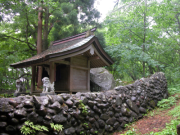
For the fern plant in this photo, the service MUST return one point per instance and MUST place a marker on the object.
(173, 90)
(84, 108)
(30, 129)
(56, 127)
(166, 103)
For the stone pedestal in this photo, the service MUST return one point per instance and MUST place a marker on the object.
(21, 93)
(47, 93)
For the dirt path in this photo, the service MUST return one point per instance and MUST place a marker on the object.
(154, 121)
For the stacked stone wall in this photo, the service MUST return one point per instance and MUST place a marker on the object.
(106, 112)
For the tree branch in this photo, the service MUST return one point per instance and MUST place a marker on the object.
(22, 41)
(178, 20)
(50, 28)
(133, 32)
(21, 76)
(172, 37)
(24, 75)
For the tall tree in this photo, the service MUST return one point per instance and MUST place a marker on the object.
(39, 42)
(130, 32)
(167, 19)
(144, 38)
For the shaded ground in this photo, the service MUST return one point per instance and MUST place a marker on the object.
(154, 121)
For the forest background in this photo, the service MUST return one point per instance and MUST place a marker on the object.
(142, 36)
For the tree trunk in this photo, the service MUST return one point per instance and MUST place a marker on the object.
(27, 84)
(150, 69)
(39, 45)
(133, 76)
(45, 34)
(144, 39)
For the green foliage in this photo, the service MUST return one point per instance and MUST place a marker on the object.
(82, 133)
(30, 129)
(56, 127)
(151, 113)
(131, 40)
(130, 132)
(167, 103)
(27, 130)
(5, 95)
(175, 112)
(96, 132)
(86, 125)
(127, 125)
(84, 108)
(174, 89)
(138, 34)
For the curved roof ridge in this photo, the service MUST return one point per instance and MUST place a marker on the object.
(75, 36)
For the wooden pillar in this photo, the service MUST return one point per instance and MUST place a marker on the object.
(88, 76)
(33, 79)
(70, 76)
(52, 72)
(39, 83)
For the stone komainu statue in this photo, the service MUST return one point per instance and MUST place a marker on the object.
(47, 86)
(20, 87)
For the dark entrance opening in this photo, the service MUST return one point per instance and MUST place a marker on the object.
(62, 78)
(94, 87)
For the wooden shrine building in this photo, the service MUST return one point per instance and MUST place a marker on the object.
(67, 62)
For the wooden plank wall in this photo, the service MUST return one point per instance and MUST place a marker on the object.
(79, 81)
(79, 78)
(80, 61)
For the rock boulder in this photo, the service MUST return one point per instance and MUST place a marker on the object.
(102, 78)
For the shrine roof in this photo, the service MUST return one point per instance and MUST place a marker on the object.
(64, 47)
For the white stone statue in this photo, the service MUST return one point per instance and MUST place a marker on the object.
(20, 87)
(47, 86)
